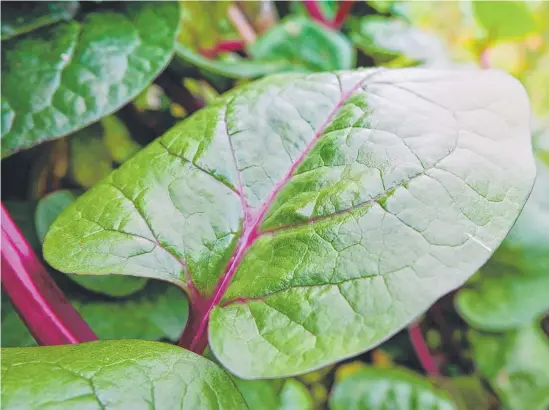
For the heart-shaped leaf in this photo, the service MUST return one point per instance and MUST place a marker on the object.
(397, 389)
(114, 375)
(516, 364)
(310, 217)
(62, 77)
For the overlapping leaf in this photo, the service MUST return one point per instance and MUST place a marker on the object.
(63, 77)
(114, 375)
(310, 217)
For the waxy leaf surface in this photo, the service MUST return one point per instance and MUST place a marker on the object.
(397, 389)
(62, 77)
(114, 375)
(310, 217)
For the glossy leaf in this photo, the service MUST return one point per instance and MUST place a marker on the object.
(63, 77)
(310, 217)
(517, 365)
(114, 375)
(504, 19)
(22, 17)
(306, 44)
(158, 312)
(47, 210)
(512, 290)
(397, 389)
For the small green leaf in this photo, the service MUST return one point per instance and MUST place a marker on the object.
(276, 394)
(305, 44)
(157, 312)
(21, 17)
(516, 364)
(117, 139)
(386, 38)
(63, 77)
(263, 207)
(47, 211)
(374, 388)
(504, 19)
(512, 290)
(114, 375)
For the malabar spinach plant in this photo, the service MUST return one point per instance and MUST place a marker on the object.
(259, 191)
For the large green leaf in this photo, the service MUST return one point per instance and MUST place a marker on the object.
(158, 312)
(114, 375)
(517, 365)
(21, 17)
(373, 388)
(306, 44)
(512, 290)
(60, 78)
(310, 217)
(47, 210)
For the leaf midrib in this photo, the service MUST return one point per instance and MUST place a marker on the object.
(251, 223)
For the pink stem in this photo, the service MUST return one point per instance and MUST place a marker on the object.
(48, 314)
(342, 13)
(223, 46)
(422, 351)
(315, 12)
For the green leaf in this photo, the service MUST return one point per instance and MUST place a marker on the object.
(504, 19)
(22, 17)
(468, 392)
(263, 207)
(114, 375)
(516, 364)
(306, 44)
(397, 389)
(277, 394)
(386, 38)
(47, 210)
(157, 312)
(512, 290)
(117, 139)
(232, 66)
(66, 76)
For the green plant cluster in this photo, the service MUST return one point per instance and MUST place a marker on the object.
(292, 186)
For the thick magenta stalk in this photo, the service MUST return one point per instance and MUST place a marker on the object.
(48, 314)
(314, 11)
(422, 351)
(342, 13)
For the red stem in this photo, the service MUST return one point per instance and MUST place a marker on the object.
(223, 46)
(315, 12)
(422, 351)
(48, 314)
(342, 13)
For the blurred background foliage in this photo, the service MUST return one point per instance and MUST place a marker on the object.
(489, 339)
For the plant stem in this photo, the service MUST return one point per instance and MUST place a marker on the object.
(241, 24)
(315, 12)
(422, 351)
(342, 13)
(223, 46)
(48, 314)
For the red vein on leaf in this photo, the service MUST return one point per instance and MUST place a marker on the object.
(48, 314)
(194, 336)
(422, 351)
(223, 46)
